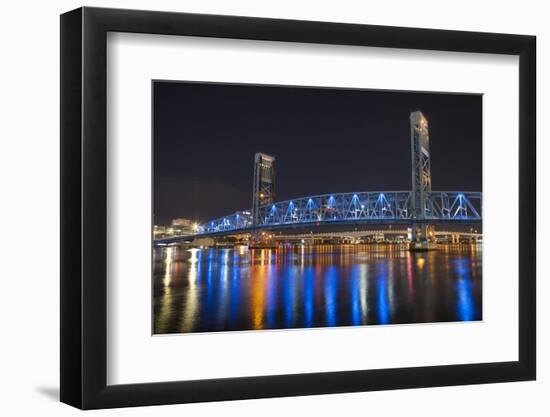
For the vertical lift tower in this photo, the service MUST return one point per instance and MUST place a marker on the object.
(421, 180)
(263, 190)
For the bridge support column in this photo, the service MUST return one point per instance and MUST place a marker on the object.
(262, 194)
(421, 180)
(423, 238)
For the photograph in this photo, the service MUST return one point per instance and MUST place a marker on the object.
(291, 207)
(262, 204)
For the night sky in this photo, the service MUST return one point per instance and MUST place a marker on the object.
(324, 141)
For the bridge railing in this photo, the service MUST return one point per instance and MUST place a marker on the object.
(360, 206)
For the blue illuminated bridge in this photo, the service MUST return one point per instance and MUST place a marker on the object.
(388, 207)
(418, 207)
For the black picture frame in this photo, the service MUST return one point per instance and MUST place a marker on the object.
(84, 207)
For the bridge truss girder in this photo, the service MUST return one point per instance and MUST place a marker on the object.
(351, 208)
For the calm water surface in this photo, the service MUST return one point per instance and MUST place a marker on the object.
(206, 290)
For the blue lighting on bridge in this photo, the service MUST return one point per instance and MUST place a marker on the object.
(368, 207)
(371, 207)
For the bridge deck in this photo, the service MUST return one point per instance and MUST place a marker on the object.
(346, 209)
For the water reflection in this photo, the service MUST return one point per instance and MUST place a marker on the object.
(383, 300)
(202, 290)
(465, 303)
(331, 287)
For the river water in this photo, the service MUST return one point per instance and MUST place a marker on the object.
(213, 290)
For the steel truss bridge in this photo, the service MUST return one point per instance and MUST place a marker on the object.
(388, 207)
(418, 207)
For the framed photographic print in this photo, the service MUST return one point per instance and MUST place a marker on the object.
(257, 208)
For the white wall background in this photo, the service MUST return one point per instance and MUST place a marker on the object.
(29, 177)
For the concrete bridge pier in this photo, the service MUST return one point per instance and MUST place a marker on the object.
(262, 239)
(420, 238)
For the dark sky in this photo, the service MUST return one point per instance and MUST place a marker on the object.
(324, 141)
